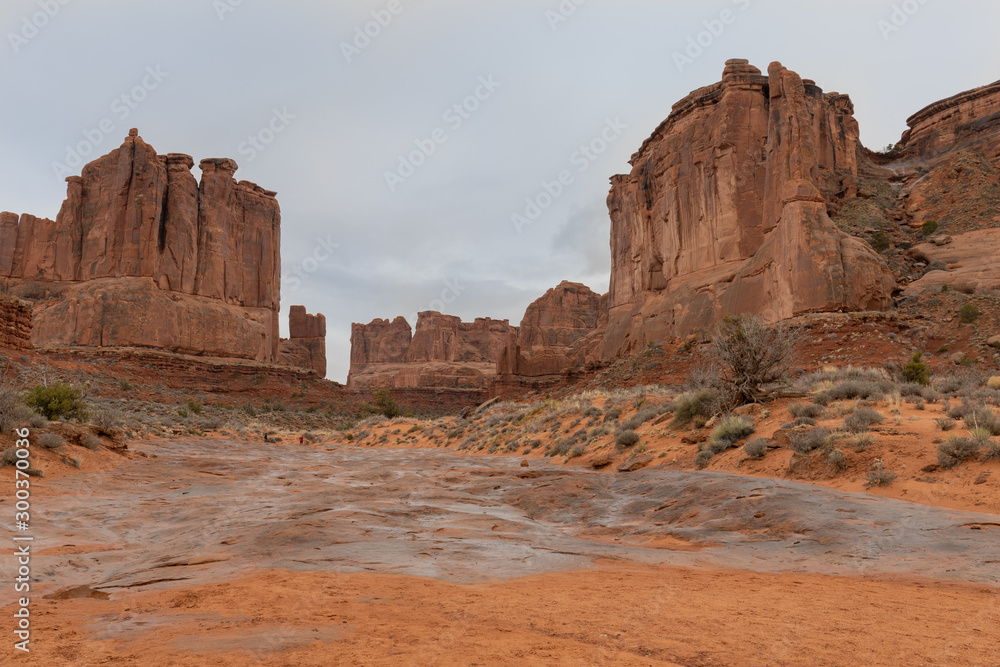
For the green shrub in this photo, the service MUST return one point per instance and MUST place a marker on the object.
(929, 227)
(880, 241)
(194, 407)
(385, 404)
(917, 371)
(969, 313)
(58, 401)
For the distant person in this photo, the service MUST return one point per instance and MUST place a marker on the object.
(302, 440)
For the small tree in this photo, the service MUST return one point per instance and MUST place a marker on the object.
(917, 371)
(386, 404)
(753, 355)
(57, 401)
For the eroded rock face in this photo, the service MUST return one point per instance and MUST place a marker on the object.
(135, 214)
(969, 121)
(306, 347)
(443, 352)
(553, 331)
(725, 212)
(15, 323)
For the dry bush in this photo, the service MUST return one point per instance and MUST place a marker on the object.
(756, 449)
(752, 355)
(862, 420)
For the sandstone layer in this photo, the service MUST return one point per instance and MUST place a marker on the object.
(442, 352)
(198, 255)
(15, 323)
(725, 212)
(553, 333)
(306, 346)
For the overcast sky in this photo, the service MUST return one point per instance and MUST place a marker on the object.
(533, 86)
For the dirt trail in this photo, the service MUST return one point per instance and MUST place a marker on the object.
(159, 535)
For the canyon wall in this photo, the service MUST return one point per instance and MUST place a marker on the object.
(15, 323)
(141, 254)
(442, 352)
(725, 212)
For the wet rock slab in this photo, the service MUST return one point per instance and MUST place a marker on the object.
(204, 511)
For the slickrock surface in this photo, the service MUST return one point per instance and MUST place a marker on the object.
(442, 352)
(253, 554)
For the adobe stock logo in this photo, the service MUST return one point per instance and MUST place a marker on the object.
(32, 25)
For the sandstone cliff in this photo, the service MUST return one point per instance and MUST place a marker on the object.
(554, 332)
(143, 255)
(306, 346)
(725, 211)
(15, 323)
(443, 352)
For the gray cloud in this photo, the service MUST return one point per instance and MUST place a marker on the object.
(353, 120)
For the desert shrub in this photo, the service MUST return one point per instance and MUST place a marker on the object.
(929, 227)
(969, 313)
(993, 382)
(991, 452)
(852, 389)
(9, 456)
(704, 457)
(51, 441)
(592, 412)
(91, 442)
(862, 419)
(879, 476)
(562, 447)
(612, 414)
(640, 418)
(863, 441)
(756, 448)
(730, 430)
(194, 407)
(753, 355)
(945, 423)
(956, 450)
(386, 405)
(693, 404)
(983, 418)
(808, 410)
(838, 460)
(803, 443)
(916, 371)
(12, 411)
(577, 451)
(37, 421)
(626, 438)
(107, 422)
(57, 401)
(880, 241)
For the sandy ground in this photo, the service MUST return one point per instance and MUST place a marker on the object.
(615, 614)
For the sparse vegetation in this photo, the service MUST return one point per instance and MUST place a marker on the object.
(879, 476)
(756, 448)
(969, 313)
(91, 442)
(810, 441)
(862, 419)
(945, 423)
(51, 441)
(956, 450)
(807, 410)
(626, 438)
(694, 404)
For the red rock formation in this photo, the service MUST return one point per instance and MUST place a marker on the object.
(15, 323)
(306, 347)
(135, 214)
(969, 121)
(443, 352)
(725, 212)
(552, 332)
